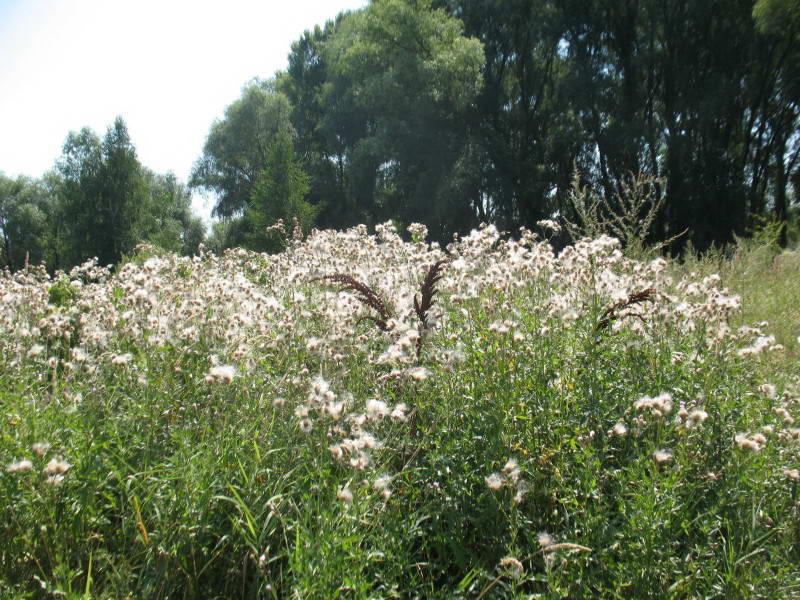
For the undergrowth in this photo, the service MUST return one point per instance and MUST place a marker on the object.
(575, 426)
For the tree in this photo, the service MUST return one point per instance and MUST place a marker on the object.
(380, 98)
(402, 79)
(104, 194)
(779, 22)
(237, 147)
(25, 210)
(636, 86)
(279, 194)
(321, 153)
(170, 223)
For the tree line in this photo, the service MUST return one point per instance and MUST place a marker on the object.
(98, 201)
(456, 112)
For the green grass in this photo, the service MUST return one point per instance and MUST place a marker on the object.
(769, 285)
(184, 488)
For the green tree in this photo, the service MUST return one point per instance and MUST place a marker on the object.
(400, 79)
(237, 147)
(104, 197)
(279, 194)
(25, 215)
(170, 223)
(321, 152)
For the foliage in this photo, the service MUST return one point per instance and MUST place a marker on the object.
(237, 148)
(279, 195)
(380, 100)
(229, 426)
(24, 221)
(104, 192)
(171, 225)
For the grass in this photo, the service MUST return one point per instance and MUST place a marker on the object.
(513, 448)
(767, 281)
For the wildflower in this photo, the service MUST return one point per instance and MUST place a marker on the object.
(360, 461)
(522, 489)
(619, 430)
(35, 350)
(377, 409)
(382, 482)
(335, 410)
(768, 389)
(54, 480)
(345, 495)
(784, 414)
(17, 467)
(662, 456)
(121, 359)
(745, 443)
(494, 482)
(278, 401)
(418, 373)
(56, 466)
(697, 416)
(399, 413)
(511, 469)
(306, 425)
(513, 565)
(553, 226)
(222, 374)
(544, 539)
(383, 485)
(792, 474)
(40, 448)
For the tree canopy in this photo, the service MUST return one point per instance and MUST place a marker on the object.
(457, 112)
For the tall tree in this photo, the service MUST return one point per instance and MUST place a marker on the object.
(104, 201)
(319, 150)
(779, 22)
(25, 209)
(280, 194)
(237, 147)
(637, 86)
(380, 98)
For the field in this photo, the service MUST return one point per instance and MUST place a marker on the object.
(363, 417)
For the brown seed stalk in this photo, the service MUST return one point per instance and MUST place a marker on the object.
(427, 292)
(611, 314)
(366, 295)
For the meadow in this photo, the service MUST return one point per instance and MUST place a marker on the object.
(365, 417)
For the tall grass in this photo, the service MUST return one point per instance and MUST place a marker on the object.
(572, 426)
(768, 281)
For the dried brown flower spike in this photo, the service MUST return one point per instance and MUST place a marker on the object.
(427, 292)
(366, 295)
(611, 314)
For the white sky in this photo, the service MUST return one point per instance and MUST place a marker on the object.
(168, 67)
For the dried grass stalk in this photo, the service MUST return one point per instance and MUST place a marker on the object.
(366, 295)
(425, 302)
(612, 313)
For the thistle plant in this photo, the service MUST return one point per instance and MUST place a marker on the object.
(222, 426)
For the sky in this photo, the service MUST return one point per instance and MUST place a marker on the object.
(168, 67)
